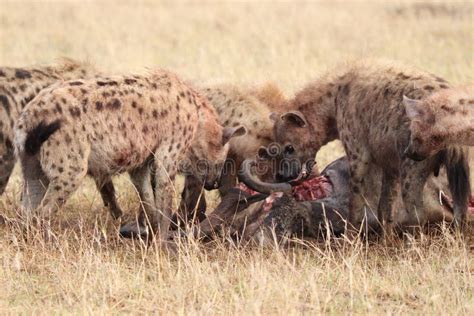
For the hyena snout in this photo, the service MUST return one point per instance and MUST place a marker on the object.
(213, 177)
(209, 174)
(211, 185)
(287, 173)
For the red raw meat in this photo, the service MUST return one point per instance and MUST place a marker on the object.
(312, 189)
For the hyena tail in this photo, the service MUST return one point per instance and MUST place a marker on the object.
(29, 143)
(456, 161)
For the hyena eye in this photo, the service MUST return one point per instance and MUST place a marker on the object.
(289, 149)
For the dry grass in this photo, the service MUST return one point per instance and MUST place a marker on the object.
(90, 270)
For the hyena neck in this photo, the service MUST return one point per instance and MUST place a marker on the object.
(318, 104)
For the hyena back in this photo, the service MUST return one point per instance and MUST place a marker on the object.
(18, 86)
(443, 119)
(361, 104)
(106, 126)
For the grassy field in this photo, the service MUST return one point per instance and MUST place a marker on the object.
(90, 270)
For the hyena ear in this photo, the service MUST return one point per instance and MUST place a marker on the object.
(230, 132)
(263, 153)
(412, 107)
(295, 117)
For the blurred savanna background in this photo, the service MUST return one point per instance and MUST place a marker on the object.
(89, 269)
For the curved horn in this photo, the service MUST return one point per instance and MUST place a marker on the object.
(253, 182)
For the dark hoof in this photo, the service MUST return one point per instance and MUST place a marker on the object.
(134, 230)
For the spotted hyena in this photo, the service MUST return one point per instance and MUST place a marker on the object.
(105, 126)
(18, 86)
(362, 105)
(236, 106)
(441, 120)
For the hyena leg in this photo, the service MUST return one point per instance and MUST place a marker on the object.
(413, 179)
(62, 183)
(141, 179)
(227, 182)
(358, 166)
(164, 177)
(229, 175)
(65, 171)
(107, 191)
(193, 201)
(59, 190)
(7, 162)
(387, 196)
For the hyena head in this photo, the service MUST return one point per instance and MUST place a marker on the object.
(270, 160)
(296, 142)
(210, 147)
(425, 140)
